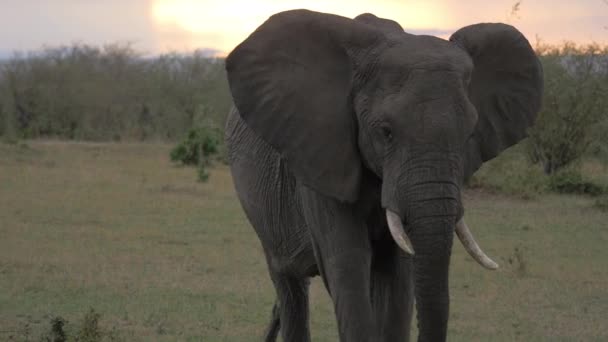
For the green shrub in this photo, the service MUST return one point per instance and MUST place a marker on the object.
(574, 104)
(198, 148)
(572, 182)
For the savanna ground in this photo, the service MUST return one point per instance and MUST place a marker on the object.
(117, 228)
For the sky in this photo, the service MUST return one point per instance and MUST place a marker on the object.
(156, 26)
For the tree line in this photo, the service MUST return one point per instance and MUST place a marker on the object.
(110, 93)
(114, 93)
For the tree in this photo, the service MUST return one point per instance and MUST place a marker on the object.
(575, 102)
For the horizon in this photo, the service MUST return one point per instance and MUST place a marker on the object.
(160, 26)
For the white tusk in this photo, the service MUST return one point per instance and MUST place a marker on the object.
(468, 241)
(397, 232)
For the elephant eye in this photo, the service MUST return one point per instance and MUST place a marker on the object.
(387, 133)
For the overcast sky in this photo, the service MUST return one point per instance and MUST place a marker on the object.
(161, 25)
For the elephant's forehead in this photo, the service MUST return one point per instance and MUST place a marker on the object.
(420, 52)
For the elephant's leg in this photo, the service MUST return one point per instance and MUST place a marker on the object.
(292, 303)
(392, 293)
(275, 323)
(343, 254)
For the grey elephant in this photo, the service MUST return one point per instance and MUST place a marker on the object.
(349, 144)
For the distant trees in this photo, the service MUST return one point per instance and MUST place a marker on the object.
(110, 93)
(574, 118)
(114, 93)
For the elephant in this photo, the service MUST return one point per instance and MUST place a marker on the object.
(349, 143)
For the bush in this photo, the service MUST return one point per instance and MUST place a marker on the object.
(574, 104)
(572, 182)
(511, 174)
(198, 148)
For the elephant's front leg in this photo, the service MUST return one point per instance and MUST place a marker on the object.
(392, 292)
(343, 254)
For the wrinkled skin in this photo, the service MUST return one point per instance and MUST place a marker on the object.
(337, 120)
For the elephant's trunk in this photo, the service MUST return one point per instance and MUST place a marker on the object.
(430, 210)
(426, 196)
(432, 239)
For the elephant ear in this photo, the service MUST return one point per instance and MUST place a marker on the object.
(291, 81)
(506, 89)
(387, 25)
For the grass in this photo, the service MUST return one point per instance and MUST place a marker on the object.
(161, 257)
(512, 174)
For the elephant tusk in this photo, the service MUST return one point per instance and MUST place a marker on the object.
(398, 233)
(468, 241)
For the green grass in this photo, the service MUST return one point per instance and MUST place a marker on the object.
(162, 257)
(513, 175)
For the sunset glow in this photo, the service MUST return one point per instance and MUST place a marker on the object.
(235, 20)
(157, 26)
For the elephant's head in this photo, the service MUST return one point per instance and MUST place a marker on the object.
(336, 96)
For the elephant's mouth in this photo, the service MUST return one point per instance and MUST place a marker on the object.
(463, 232)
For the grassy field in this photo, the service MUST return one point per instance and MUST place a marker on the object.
(117, 228)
